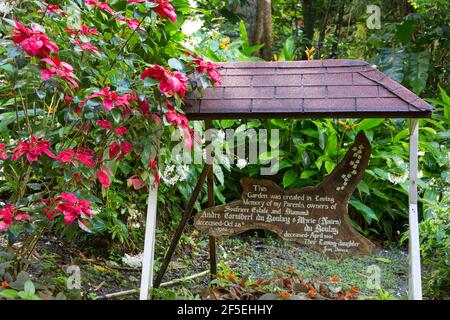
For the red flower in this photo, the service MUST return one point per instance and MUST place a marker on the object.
(84, 30)
(52, 8)
(164, 8)
(32, 149)
(70, 206)
(104, 179)
(102, 5)
(156, 117)
(88, 31)
(33, 41)
(3, 153)
(124, 148)
(71, 155)
(335, 278)
(86, 46)
(133, 24)
(114, 150)
(104, 124)
(154, 168)
(67, 100)
(110, 99)
(135, 182)
(202, 66)
(8, 215)
(170, 82)
(180, 120)
(62, 69)
(121, 131)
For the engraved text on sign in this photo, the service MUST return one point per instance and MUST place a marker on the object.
(314, 216)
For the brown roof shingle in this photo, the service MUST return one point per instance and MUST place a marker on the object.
(305, 89)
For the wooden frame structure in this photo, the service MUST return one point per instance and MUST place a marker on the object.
(297, 90)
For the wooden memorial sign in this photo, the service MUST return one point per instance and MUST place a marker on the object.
(313, 216)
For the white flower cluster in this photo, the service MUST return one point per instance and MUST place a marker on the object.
(134, 217)
(173, 174)
(394, 179)
(133, 261)
(6, 6)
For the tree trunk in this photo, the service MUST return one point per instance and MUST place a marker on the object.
(259, 25)
(337, 32)
(309, 18)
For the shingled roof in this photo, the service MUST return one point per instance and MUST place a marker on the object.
(305, 89)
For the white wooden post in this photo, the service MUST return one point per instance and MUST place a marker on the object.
(415, 281)
(149, 245)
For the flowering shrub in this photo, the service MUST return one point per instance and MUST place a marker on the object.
(86, 87)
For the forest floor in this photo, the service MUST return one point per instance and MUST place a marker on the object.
(248, 255)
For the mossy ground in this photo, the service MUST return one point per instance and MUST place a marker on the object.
(249, 254)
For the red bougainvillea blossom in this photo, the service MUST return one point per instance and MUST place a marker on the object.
(102, 5)
(110, 99)
(33, 41)
(8, 215)
(70, 206)
(104, 124)
(180, 120)
(73, 156)
(133, 24)
(62, 69)
(3, 153)
(202, 66)
(32, 149)
(86, 46)
(170, 82)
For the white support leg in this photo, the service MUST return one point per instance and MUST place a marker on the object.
(149, 246)
(415, 281)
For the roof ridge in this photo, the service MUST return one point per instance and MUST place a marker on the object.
(405, 94)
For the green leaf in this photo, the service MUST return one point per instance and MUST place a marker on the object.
(367, 213)
(29, 287)
(367, 124)
(419, 65)
(363, 187)
(176, 64)
(331, 147)
(288, 52)
(289, 178)
(405, 31)
(384, 260)
(9, 293)
(307, 173)
(243, 32)
(150, 82)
